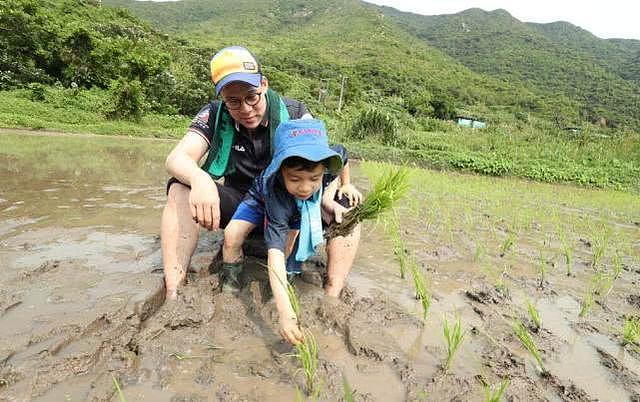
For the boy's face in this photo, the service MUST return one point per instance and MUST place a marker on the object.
(302, 184)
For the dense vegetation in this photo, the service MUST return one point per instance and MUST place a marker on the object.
(75, 65)
(602, 76)
(77, 43)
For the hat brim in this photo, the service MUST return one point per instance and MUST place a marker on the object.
(253, 79)
(311, 153)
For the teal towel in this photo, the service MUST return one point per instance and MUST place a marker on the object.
(310, 235)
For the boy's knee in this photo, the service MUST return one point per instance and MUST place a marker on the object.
(233, 236)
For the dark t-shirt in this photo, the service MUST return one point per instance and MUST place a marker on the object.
(281, 211)
(250, 153)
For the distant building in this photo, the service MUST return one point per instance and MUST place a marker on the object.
(471, 122)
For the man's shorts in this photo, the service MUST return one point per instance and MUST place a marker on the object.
(230, 198)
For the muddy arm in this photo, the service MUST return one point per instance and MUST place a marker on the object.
(288, 321)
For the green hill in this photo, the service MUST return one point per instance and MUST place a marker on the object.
(557, 58)
(303, 42)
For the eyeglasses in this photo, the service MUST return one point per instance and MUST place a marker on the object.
(250, 100)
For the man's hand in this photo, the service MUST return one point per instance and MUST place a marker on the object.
(289, 329)
(205, 202)
(351, 192)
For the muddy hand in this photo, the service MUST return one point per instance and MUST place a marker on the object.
(290, 331)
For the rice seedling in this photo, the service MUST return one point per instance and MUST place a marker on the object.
(567, 252)
(454, 337)
(118, 390)
(392, 186)
(348, 394)
(631, 332)
(534, 315)
(586, 304)
(479, 252)
(307, 354)
(526, 340)
(399, 249)
(420, 285)
(495, 393)
(508, 244)
(600, 244)
(542, 270)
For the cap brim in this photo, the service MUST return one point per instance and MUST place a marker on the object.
(253, 79)
(313, 154)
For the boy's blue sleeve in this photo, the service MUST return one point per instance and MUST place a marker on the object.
(279, 212)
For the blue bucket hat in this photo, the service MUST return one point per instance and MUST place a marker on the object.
(305, 138)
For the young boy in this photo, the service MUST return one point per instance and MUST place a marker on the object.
(288, 198)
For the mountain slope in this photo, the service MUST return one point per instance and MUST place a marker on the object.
(303, 42)
(556, 58)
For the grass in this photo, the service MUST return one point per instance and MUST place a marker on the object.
(534, 315)
(495, 393)
(454, 337)
(387, 190)
(631, 332)
(118, 390)
(78, 111)
(525, 338)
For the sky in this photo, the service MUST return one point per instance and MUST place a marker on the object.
(605, 19)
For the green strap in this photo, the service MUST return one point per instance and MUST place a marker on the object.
(217, 162)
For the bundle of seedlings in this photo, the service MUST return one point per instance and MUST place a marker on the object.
(392, 186)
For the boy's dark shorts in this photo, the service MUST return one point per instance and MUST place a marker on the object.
(230, 198)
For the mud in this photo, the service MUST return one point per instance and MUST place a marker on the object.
(82, 303)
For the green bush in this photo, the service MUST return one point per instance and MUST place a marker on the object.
(37, 92)
(373, 122)
(125, 99)
(443, 108)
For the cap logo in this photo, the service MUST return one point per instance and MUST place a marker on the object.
(249, 65)
(305, 131)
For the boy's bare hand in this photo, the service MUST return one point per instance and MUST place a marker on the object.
(290, 331)
(351, 192)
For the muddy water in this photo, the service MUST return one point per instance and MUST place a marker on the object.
(81, 300)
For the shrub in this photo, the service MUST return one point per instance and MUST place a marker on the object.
(374, 122)
(443, 108)
(125, 99)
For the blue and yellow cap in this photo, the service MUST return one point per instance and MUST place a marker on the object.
(233, 64)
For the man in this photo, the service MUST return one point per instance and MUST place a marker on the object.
(236, 132)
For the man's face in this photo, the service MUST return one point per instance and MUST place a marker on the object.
(303, 184)
(248, 116)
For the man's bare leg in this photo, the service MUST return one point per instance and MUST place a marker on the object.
(179, 235)
(341, 252)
